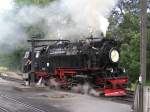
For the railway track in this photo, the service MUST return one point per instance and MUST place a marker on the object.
(11, 79)
(19, 101)
(2, 109)
(128, 99)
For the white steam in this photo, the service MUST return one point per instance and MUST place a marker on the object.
(5, 5)
(11, 32)
(93, 13)
(71, 19)
(74, 17)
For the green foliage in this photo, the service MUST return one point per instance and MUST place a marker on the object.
(12, 60)
(125, 24)
(33, 2)
(148, 83)
(130, 57)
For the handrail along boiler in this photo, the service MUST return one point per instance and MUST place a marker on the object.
(93, 60)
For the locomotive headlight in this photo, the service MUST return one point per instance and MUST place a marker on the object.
(114, 55)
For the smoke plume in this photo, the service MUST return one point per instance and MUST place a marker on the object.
(75, 19)
(11, 32)
(65, 19)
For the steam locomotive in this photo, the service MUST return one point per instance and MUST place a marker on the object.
(94, 61)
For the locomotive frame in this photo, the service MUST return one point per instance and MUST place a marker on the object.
(110, 80)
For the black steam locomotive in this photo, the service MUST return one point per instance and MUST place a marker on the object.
(93, 60)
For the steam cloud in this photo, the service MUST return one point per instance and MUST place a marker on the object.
(69, 19)
(11, 32)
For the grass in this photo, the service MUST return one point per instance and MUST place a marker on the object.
(133, 86)
(148, 83)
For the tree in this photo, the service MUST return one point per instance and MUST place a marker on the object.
(13, 60)
(33, 2)
(125, 24)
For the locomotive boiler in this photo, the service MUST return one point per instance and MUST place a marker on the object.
(94, 61)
